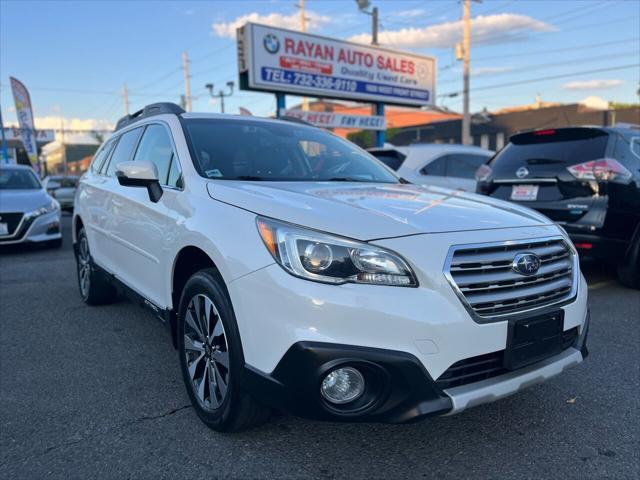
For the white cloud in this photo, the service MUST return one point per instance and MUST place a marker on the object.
(413, 12)
(484, 29)
(592, 84)
(73, 123)
(490, 70)
(292, 22)
(595, 102)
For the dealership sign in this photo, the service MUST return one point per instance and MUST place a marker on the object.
(276, 60)
(16, 133)
(338, 120)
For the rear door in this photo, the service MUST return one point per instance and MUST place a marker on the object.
(533, 170)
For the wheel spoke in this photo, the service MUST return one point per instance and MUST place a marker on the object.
(222, 386)
(213, 386)
(203, 382)
(201, 316)
(193, 366)
(209, 315)
(192, 344)
(194, 324)
(218, 329)
(222, 358)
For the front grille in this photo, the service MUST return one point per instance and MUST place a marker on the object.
(12, 220)
(484, 277)
(482, 367)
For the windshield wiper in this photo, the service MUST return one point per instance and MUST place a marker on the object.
(346, 179)
(248, 178)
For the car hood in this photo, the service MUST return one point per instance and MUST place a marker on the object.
(22, 200)
(371, 211)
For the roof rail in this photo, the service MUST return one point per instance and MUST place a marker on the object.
(148, 111)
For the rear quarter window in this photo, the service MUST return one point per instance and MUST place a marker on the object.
(390, 158)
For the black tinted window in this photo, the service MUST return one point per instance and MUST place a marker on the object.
(102, 155)
(253, 150)
(549, 147)
(437, 167)
(124, 149)
(155, 147)
(391, 159)
(18, 179)
(464, 165)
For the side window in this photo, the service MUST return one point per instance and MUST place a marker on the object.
(123, 150)
(464, 165)
(156, 147)
(436, 167)
(102, 155)
(390, 158)
(627, 151)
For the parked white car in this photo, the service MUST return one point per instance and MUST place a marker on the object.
(441, 164)
(296, 272)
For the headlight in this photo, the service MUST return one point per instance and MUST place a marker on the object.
(330, 259)
(48, 208)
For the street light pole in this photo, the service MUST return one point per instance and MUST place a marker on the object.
(221, 94)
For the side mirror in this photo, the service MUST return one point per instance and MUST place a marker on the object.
(140, 174)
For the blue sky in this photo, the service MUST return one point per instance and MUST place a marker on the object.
(75, 56)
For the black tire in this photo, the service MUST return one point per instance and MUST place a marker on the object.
(234, 410)
(55, 243)
(629, 268)
(97, 290)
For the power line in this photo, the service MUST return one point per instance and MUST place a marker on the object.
(554, 50)
(576, 61)
(540, 79)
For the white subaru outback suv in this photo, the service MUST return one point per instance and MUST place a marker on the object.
(296, 272)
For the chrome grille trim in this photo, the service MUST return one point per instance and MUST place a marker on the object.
(481, 276)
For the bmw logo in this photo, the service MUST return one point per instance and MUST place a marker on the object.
(522, 172)
(526, 263)
(271, 43)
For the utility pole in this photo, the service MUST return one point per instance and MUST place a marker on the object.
(125, 98)
(466, 53)
(187, 84)
(303, 28)
(374, 26)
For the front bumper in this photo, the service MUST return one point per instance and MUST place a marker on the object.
(399, 389)
(40, 229)
(278, 314)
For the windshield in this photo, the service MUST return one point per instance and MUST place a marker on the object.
(250, 150)
(18, 179)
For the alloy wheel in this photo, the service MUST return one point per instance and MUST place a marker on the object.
(206, 352)
(84, 267)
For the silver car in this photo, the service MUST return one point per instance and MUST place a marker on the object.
(28, 214)
(63, 189)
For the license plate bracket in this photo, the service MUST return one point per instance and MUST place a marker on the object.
(524, 193)
(533, 339)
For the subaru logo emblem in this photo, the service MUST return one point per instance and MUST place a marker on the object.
(271, 43)
(526, 263)
(522, 172)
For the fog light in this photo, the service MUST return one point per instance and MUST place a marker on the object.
(342, 385)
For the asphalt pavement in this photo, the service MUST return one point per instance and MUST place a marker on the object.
(96, 392)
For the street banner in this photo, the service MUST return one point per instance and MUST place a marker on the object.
(42, 135)
(24, 111)
(338, 120)
(277, 60)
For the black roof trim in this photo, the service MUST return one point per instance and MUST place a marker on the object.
(148, 111)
